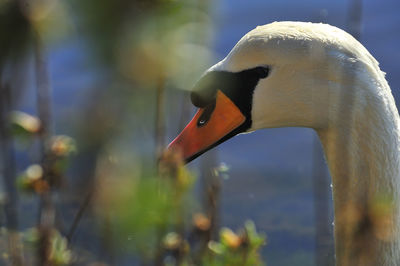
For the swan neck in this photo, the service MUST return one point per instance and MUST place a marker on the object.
(362, 150)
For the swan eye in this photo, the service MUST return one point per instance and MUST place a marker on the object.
(262, 71)
(205, 116)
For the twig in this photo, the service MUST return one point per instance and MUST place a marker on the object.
(212, 186)
(159, 135)
(46, 209)
(159, 119)
(79, 214)
(106, 244)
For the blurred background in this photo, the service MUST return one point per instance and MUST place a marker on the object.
(90, 94)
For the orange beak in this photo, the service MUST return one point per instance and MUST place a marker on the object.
(201, 135)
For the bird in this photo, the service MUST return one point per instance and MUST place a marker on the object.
(314, 75)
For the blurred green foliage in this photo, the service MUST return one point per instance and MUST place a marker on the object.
(142, 208)
(151, 217)
(139, 211)
(59, 252)
(236, 249)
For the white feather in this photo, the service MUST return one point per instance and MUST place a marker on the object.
(323, 78)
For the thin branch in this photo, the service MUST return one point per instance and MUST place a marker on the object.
(159, 140)
(46, 210)
(159, 119)
(43, 90)
(79, 214)
(212, 187)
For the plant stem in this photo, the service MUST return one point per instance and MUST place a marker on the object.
(212, 186)
(46, 209)
(159, 120)
(159, 136)
(79, 214)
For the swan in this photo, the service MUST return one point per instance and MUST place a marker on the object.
(300, 74)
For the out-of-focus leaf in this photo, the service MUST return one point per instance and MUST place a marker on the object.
(256, 240)
(201, 222)
(24, 125)
(32, 180)
(59, 252)
(216, 247)
(62, 145)
(172, 241)
(229, 238)
(236, 248)
(222, 170)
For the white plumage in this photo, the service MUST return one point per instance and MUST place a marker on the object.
(322, 78)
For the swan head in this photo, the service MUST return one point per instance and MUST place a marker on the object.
(278, 75)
